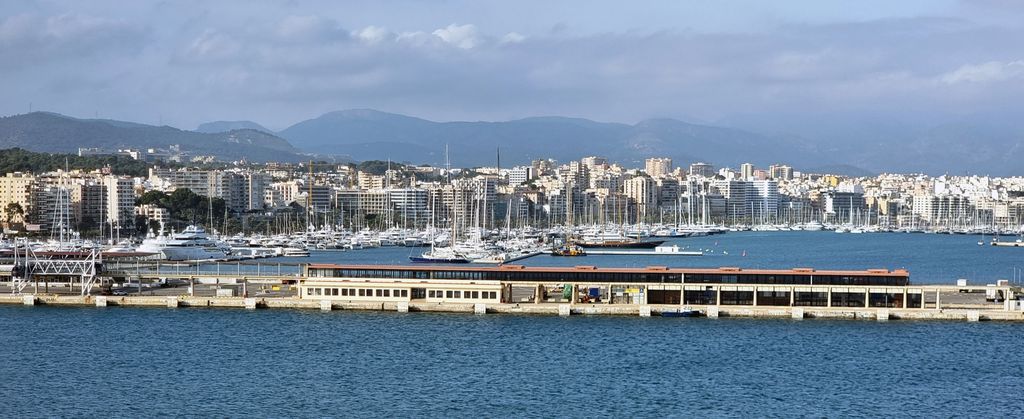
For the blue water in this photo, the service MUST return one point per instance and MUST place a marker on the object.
(131, 362)
(930, 258)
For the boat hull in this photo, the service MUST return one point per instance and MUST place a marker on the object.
(684, 313)
(649, 244)
(416, 259)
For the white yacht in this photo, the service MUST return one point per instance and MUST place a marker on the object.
(192, 243)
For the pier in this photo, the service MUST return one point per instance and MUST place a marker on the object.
(579, 290)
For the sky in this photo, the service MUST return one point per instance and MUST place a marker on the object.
(767, 65)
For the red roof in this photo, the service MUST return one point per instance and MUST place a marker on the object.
(521, 268)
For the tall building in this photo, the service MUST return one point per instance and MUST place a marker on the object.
(409, 206)
(702, 169)
(256, 186)
(17, 188)
(594, 162)
(198, 181)
(780, 172)
(763, 200)
(643, 192)
(668, 192)
(658, 166)
(735, 193)
(746, 171)
(519, 175)
(230, 186)
(842, 205)
(120, 200)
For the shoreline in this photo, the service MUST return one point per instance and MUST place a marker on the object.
(551, 309)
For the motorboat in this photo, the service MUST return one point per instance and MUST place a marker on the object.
(192, 243)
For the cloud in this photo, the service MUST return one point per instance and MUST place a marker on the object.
(989, 72)
(512, 38)
(310, 28)
(281, 65)
(212, 45)
(461, 36)
(373, 34)
(65, 36)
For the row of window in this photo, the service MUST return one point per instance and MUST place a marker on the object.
(462, 294)
(809, 279)
(356, 292)
(616, 277)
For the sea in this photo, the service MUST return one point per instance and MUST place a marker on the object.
(142, 362)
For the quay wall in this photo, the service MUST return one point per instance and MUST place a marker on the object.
(550, 309)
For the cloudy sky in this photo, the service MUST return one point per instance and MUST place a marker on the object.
(728, 62)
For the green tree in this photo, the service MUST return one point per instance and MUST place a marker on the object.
(14, 212)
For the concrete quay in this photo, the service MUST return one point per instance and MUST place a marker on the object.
(966, 313)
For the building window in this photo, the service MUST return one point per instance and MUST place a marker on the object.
(448, 294)
(387, 293)
(309, 291)
(458, 294)
(362, 292)
(476, 294)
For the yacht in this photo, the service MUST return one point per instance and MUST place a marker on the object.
(295, 252)
(192, 243)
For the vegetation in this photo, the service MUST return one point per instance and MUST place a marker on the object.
(378, 167)
(20, 160)
(186, 207)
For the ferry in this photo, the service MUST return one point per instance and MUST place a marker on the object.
(516, 284)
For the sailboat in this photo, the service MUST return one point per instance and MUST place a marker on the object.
(442, 254)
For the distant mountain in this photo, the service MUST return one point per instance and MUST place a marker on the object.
(225, 126)
(860, 150)
(368, 134)
(55, 133)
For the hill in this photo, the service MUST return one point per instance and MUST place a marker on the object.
(55, 133)
(225, 126)
(366, 134)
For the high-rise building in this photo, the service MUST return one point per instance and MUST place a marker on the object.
(120, 200)
(16, 188)
(519, 175)
(658, 167)
(735, 194)
(763, 200)
(643, 192)
(702, 169)
(746, 171)
(594, 162)
(780, 172)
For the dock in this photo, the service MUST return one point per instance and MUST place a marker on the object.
(966, 313)
(1008, 244)
(645, 253)
(514, 289)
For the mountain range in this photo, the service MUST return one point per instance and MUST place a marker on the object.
(365, 134)
(55, 133)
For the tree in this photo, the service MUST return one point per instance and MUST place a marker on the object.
(14, 211)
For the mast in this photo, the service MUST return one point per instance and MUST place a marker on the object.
(309, 194)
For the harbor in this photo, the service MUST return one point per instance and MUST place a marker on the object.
(877, 294)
